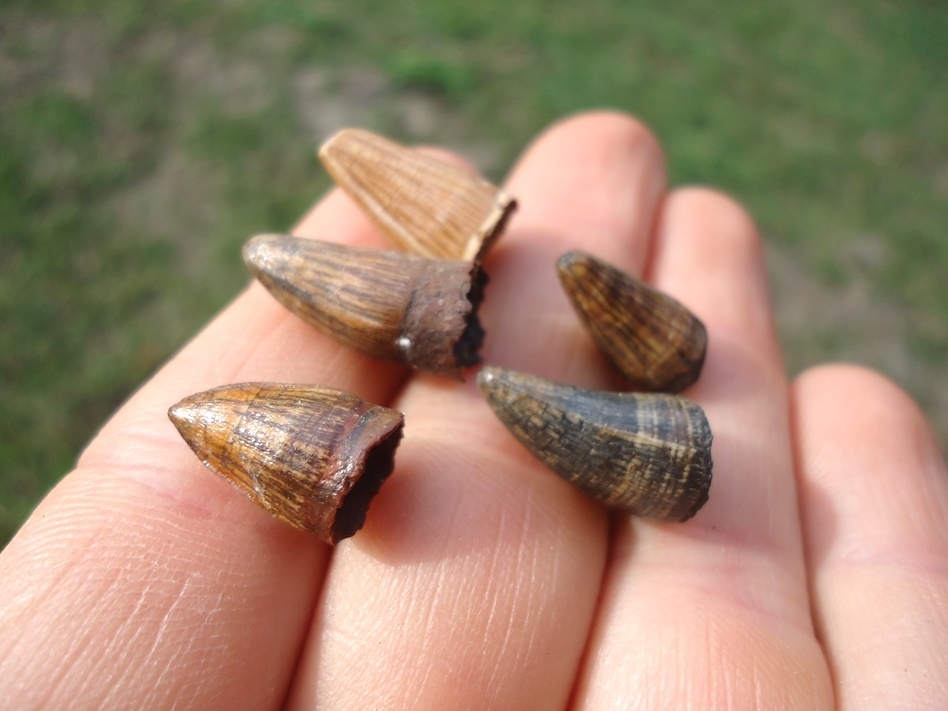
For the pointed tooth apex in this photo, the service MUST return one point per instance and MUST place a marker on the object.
(644, 454)
(182, 414)
(486, 377)
(501, 386)
(654, 341)
(423, 204)
(389, 305)
(313, 457)
(260, 251)
(198, 422)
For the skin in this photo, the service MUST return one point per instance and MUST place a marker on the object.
(815, 578)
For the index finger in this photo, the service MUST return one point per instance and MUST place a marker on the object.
(141, 570)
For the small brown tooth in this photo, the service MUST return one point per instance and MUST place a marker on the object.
(651, 338)
(643, 453)
(314, 457)
(423, 204)
(390, 305)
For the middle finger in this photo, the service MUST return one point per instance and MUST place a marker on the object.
(476, 577)
(714, 613)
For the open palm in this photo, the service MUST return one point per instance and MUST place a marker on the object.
(815, 577)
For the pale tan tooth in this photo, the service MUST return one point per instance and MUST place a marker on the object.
(424, 205)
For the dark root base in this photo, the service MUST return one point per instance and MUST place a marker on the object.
(379, 463)
(467, 347)
(702, 497)
(688, 506)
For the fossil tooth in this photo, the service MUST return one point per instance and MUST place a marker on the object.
(423, 204)
(647, 454)
(390, 305)
(651, 338)
(312, 456)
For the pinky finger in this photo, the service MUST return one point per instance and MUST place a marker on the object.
(874, 495)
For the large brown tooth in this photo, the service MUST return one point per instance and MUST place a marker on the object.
(423, 204)
(651, 338)
(314, 457)
(390, 305)
(642, 453)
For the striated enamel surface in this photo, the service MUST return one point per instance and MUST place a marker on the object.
(654, 341)
(424, 205)
(390, 305)
(312, 456)
(641, 453)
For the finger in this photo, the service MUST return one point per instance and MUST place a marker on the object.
(874, 493)
(714, 612)
(145, 580)
(476, 579)
(593, 192)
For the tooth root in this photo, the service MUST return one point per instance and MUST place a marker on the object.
(389, 305)
(654, 341)
(313, 457)
(644, 454)
(423, 204)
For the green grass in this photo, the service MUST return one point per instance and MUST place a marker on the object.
(141, 144)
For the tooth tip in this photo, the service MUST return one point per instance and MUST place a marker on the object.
(570, 258)
(328, 143)
(258, 244)
(177, 415)
(571, 266)
(487, 376)
(340, 142)
(259, 251)
(325, 150)
(500, 386)
(186, 415)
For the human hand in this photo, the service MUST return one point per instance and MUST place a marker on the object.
(815, 577)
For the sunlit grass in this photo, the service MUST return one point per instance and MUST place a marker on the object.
(142, 143)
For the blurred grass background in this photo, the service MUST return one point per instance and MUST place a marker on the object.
(142, 143)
